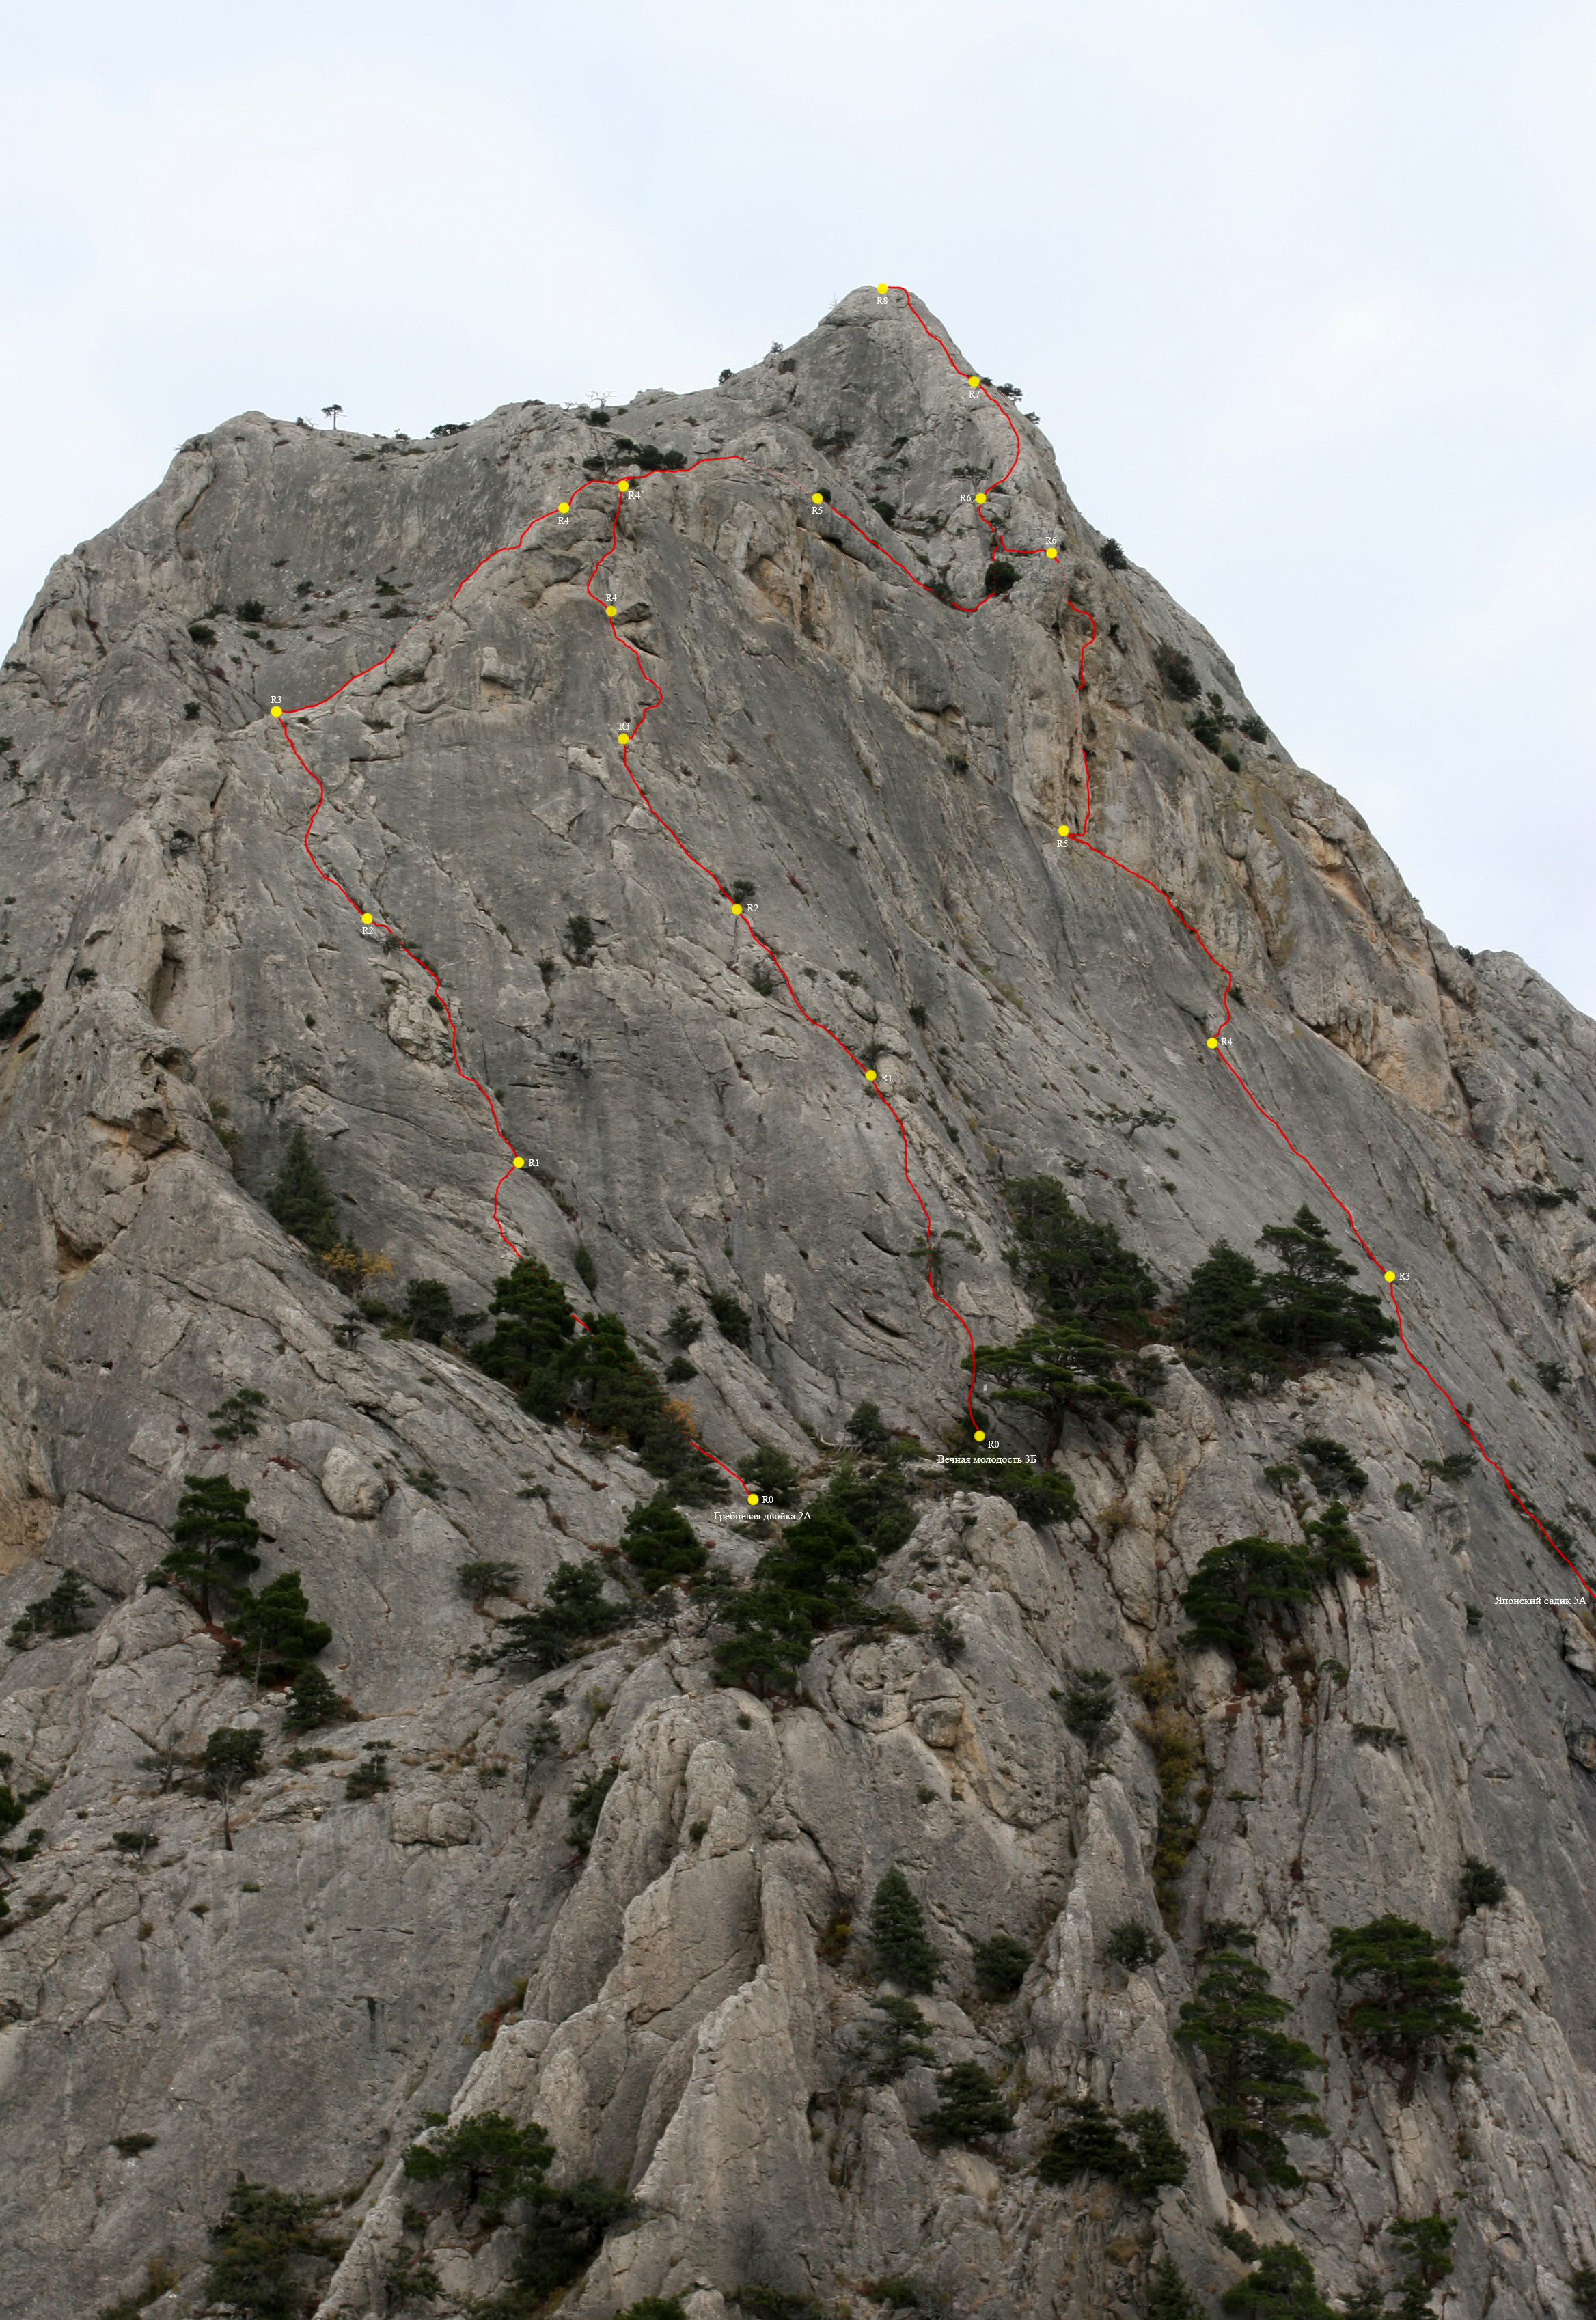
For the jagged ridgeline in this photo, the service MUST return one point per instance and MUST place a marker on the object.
(560, 1748)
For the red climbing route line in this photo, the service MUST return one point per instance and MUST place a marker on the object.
(1078, 837)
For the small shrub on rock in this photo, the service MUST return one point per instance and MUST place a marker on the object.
(971, 2107)
(1089, 1708)
(572, 1618)
(903, 1950)
(314, 1700)
(1002, 1964)
(1480, 1887)
(1131, 1946)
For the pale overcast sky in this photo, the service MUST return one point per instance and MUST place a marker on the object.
(1301, 293)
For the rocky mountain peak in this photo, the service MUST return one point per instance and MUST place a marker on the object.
(729, 1713)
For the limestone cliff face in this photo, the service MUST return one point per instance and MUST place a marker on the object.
(888, 774)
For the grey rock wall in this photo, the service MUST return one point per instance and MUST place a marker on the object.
(889, 774)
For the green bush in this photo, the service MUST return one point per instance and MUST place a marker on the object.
(565, 2229)
(1090, 2143)
(1000, 577)
(1413, 2007)
(1335, 1546)
(1057, 1368)
(774, 1475)
(58, 1614)
(805, 1584)
(579, 934)
(587, 1803)
(571, 1618)
(731, 1320)
(1114, 556)
(370, 1775)
(235, 1418)
(1237, 1583)
(1255, 2073)
(486, 1576)
(659, 1542)
(1480, 1887)
(869, 1431)
(1089, 1708)
(214, 1541)
(429, 1309)
(202, 632)
(1282, 2287)
(971, 2107)
(1254, 729)
(268, 2256)
(896, 2291)
(888, 2046)
(679, 1370)
(586, 1270)
(314, 1700)
(1071, 1269)
(1335, 1472)
(1037, 1494)
(1168, 2297)
(486, 2160)
(1131, 1946)
(684, 1328)
(251, 609)
(1179, 678)
(1243, 1322)
(1002, 1964)
(301, 1199)
(654, 2308)
(535, 1350)
(901, 1949)
(135, 1840)
(273, 1634)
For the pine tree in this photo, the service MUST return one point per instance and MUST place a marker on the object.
(1254, 2074)
(1219, 1311)
(1282, 2287)
(1414, 2008)
(1336, 1546)
(1071, 1268)
(233, 1756)
(1089, 1708)
(300, 1199)
(213, 1540)
(1088, 2142)
(904, 1951)
(486, 2159)
(532, 1349)
(887, 2047)
(661, 1543)
(572, 1617)
(59, 1614)
(1168, 2297)
(276, 1634)
(1233, 1584)
(970, 2108)
(267, 2254)
(869, 1431)
(1427, 2243)
(429, 1309)
(1308, 1307)
(1055, 1367)
(1480, 1887)
(1001, 1966)
(313, 1701)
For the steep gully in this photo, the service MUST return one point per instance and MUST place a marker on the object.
(1218, 1041)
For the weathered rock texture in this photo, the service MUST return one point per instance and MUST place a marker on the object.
(888, 773)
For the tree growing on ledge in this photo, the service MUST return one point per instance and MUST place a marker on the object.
(214, 1541)
(301, 1199)
(903, 1950)
(1412, 2009)
(1256, 2094)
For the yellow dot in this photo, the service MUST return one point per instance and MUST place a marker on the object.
(1064, 829)
(1390, 1276)
(882, 287)
(275, 711)
(625, 487)
(623, 737)
(1053, 555)
(869, 1075)
(518, 1162)
(979, 1436)
(366, 918)
(753, 1498)
(608, 611)
(565, 507)
(981, 499)
(818, 499)
(1213, 1043)
(975, 382)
